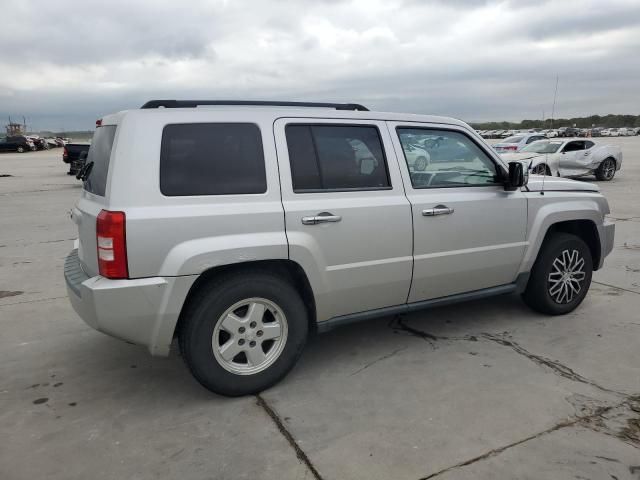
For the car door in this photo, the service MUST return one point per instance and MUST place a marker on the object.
(469, 233)
(348, 221)
(570, 155)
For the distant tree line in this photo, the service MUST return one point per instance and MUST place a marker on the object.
(607, 121)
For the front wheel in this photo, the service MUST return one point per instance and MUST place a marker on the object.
(561, 275)
(606, 170)
(541, 169)
(421, 164)
(243, 333)
(21, 149)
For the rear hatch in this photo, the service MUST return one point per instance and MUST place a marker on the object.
(93, 198)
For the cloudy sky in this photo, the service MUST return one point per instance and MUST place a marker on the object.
(65, 63)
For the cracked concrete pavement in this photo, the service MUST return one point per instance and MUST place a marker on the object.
(486, 389)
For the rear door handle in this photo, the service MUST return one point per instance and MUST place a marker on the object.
(323, 217)
(437, 210)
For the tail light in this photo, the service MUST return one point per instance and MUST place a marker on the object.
(65, 153)
(112, 244)
(514, 148)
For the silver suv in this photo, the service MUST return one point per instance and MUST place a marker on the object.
(243, 227)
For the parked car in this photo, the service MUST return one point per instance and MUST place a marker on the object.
(570, 157)
(38, 142)
(517, 142)
(568, 132)
(72, 154)
(16, 143)
(417, 158)
(242, 230)
(636, 131)
(51, 142)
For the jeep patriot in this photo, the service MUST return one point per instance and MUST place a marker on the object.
(240, 228)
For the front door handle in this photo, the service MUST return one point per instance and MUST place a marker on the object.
(437, 210)
(324, 217)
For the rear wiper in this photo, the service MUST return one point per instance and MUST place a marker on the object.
(85, 171)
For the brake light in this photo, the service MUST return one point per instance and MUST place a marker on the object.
(112, 244)
(514, 147)
(99, 122)
(65, 153)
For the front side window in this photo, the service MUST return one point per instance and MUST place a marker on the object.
(574, 146)
(336, 157)
(212, 159)
(443, 158)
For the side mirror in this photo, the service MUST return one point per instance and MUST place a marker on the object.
(518, 175)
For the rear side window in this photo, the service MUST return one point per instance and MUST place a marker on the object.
(212, 159)
(99, 155)
(336, 157)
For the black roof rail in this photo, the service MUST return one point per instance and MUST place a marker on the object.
(260, 103)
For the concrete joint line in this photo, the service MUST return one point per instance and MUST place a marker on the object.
(567, 423)
(302, 456)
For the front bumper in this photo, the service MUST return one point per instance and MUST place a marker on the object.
(607, 236)
(143, 311)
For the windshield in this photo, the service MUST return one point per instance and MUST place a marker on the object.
(542, 146)
(512, 140)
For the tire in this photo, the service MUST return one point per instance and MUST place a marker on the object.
(207, 323)
(421, 164)
(20, 149)
(541, 169)
(545, 291)
(606, 170)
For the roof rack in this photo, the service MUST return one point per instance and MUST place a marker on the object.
(260, 103)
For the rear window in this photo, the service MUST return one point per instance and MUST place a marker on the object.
(99, 154)
(512, 140)
(212, 159)
(336, 157)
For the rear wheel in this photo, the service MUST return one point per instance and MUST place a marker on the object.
(561, 275)
(606, 170)
(243, 333)
(20, 149)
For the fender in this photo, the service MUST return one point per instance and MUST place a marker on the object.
(564, 206)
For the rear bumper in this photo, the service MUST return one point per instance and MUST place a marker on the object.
(143, 311)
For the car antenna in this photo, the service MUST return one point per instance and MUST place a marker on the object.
(546, 162)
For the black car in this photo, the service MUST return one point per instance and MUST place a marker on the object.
(17, 143)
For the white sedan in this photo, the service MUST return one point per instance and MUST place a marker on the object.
(570, 157)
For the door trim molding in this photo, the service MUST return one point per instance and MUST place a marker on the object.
(336, 322)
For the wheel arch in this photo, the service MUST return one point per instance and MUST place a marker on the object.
(286, 269)
(582, 228)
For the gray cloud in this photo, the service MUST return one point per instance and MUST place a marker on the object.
(73, 61)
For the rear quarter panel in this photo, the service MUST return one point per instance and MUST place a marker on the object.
(186, 235)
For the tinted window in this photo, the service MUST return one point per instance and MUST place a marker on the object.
(588, 144)
(534, 139)
(99, 155)
(441, 158)
(574, 146)
(336, 157)
(212, 159)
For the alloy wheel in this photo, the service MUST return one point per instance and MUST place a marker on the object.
(608, 169)
(567, 276)
(249, 336)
